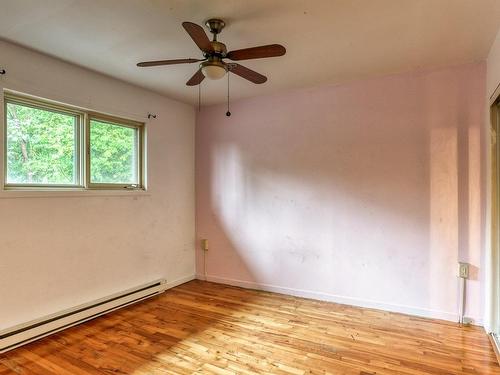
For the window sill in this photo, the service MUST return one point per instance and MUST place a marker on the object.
(16, 193)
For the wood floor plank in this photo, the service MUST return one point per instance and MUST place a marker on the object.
(207, 328)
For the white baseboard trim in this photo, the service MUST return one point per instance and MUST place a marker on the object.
(177, 282)
(200, 276)
(402, 309)
(495, 342)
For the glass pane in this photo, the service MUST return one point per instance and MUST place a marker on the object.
(41, 146)
(113, 153)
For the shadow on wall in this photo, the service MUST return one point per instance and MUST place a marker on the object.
(348, 192)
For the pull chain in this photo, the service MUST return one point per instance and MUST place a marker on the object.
(199, 97)
(228, 113)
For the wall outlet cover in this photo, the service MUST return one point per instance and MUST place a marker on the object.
(463, 270)
(204, 244)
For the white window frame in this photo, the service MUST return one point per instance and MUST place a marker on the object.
(82, 146)
(139, 127)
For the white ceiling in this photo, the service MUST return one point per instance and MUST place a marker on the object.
(327, 41)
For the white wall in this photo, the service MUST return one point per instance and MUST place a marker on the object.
(58, 250)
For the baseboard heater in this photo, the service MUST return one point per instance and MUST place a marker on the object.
(16, 336)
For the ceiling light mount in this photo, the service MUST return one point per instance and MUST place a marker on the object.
(215, 25)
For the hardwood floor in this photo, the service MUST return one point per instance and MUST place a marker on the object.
(208, 328)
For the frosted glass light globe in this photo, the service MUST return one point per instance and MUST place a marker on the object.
(213, 71)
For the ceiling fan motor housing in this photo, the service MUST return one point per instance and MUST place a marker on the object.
(218, 49)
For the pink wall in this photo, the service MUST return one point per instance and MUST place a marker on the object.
(493, 62)
(366, 193)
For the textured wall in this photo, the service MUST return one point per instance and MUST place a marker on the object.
(366, 193)
(60, 249)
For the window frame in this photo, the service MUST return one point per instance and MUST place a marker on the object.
(52, 107)
(117, 121)
(82, 146)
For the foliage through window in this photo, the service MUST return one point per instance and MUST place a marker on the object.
(43, 147)
(113, 153)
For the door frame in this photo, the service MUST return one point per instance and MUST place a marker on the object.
(494, 111)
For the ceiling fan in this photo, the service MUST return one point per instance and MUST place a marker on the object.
(213, 66)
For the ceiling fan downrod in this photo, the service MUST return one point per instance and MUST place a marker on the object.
(215, 25)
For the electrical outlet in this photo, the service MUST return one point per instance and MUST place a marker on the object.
(204, 244)
(463, 270)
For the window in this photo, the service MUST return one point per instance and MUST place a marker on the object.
(53, 146)
(41, 145)
(115, 153)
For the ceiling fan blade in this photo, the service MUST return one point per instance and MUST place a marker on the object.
(198, 35)
(167, 62)
(270, 50)
(246, 73)
(196, 78)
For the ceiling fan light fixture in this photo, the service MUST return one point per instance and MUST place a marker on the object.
(214, 53)
(213, 70)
